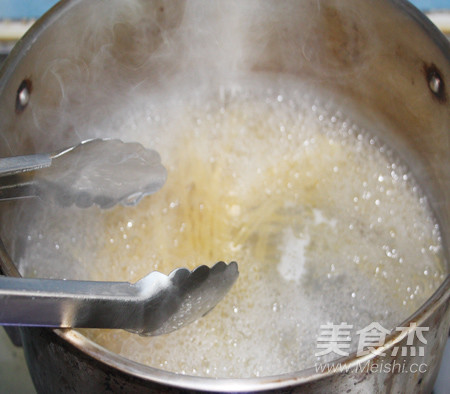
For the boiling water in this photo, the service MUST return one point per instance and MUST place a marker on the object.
(326, 225)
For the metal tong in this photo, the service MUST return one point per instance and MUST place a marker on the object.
(157, 304)
(104, 172)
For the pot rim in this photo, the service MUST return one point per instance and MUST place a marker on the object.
(439, 298)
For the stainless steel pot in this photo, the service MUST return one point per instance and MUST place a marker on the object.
(383, 58)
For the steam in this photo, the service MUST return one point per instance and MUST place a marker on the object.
(109, 66)
(101, 69)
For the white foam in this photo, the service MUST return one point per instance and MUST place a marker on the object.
(319, 218)
(293, 255)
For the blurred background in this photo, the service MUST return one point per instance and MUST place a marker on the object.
(16, 17)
